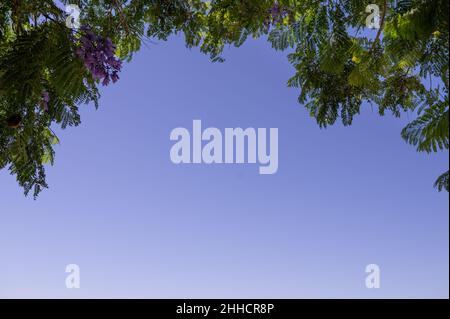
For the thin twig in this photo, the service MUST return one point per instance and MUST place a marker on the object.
(122, 16)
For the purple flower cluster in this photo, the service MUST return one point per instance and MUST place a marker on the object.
(97, 54)
(277, 13)
(45, 98)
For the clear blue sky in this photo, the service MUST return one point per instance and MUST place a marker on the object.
(140, 226)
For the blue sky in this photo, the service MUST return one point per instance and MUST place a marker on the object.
(140, 226)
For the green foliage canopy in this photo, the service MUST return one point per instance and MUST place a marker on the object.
(338, 66)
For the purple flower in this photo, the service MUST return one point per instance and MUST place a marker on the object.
(97, 54)
(275, 10)
(114, 77)
(45, 98)
(277, 13)
(106, 80)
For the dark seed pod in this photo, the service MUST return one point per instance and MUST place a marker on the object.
(14, 121)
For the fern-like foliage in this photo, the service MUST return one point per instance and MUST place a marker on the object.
(337, 68)
(442, 182)
(37, 61)
(338, 63)
(430, 131)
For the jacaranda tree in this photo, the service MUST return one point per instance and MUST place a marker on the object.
(50, 65)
